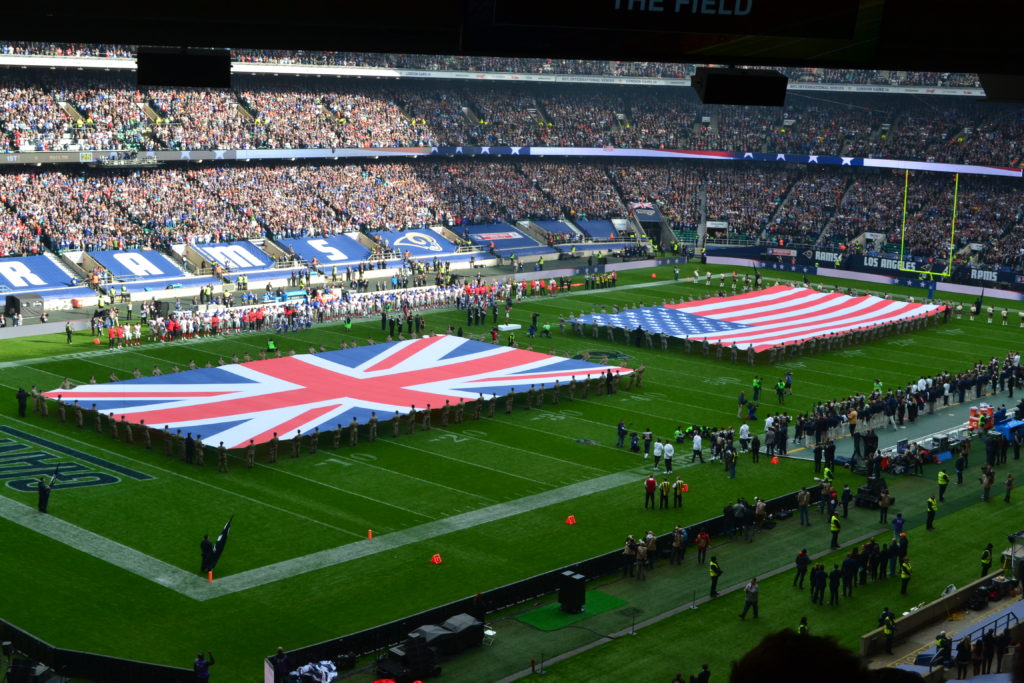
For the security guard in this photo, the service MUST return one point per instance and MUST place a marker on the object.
(715, 571)
(905, 574)
(943, 484)
(888, 629)
(826, 475)
(986, 560)
(834, 525)
(271, 346)
(933, 506)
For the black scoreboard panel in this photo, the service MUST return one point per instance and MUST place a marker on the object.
(792, 18)
(937, 35)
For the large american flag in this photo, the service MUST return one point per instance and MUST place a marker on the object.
(235, 403)
(765, 318)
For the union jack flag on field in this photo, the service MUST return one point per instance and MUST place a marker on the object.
(235, 403)
(766, 318)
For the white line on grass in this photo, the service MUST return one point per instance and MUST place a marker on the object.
(327, 558)
(376, 467)
(92, 447)
(464, 462)
(524, 450)
(199, 589)
(102, 548)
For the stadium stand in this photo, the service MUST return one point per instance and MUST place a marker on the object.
(42, 275)
(511, 65)
(139, 271)
(504, 240)
(242, 257)
(339, 250)
(40, 110)
(420, 245)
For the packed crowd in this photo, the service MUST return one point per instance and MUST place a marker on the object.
(872, 203)
(583, 192)
(809, 206)
(746, 198)
(676, 190)
(113, 209)
(51, 112)
(581, 67)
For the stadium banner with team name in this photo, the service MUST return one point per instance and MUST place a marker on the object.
(885, 266)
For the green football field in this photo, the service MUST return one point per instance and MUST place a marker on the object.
(116, 570)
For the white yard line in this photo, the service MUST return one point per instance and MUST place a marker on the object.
(196, 587)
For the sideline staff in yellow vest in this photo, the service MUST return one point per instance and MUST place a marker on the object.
(943, 484)
(932, 508)
(888, 629)
(905, 574)
(986, 560)
(715, 571)
(834, 525)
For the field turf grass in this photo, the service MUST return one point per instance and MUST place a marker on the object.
(300, 506)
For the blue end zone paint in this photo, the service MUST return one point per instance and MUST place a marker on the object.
(79, 455)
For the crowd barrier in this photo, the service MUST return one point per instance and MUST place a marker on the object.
(87, 665)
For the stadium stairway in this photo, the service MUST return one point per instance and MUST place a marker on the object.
(74, 273)
(828, 224)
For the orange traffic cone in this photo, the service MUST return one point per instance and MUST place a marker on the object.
(369, 534)
(209, 577)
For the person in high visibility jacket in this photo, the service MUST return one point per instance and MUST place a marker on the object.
(715, 571)
(932, 507)
(834, 525)
(943, 479)
(271, 346)
(905, 573)
(826, 474)
(802, 628)
(888, 629)
(986, 560)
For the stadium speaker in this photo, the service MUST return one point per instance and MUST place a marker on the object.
(30, 305)
(572, 592)
(184, 67)
(757, 87)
